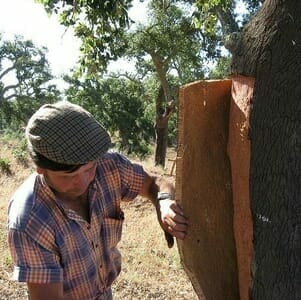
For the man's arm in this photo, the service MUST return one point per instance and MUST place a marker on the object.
(32, 260)
(48, 291)
(170, 214)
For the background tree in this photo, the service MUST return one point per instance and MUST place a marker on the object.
(221, 69)
(168, 43)
(124, 114)
(25, 81)
(99, 24)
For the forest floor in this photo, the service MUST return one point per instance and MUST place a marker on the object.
(150, 269)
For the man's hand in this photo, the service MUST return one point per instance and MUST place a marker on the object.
(170, 214)
(172, 220)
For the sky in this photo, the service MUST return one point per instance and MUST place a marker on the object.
(30, 20)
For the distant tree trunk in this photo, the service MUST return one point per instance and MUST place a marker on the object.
(161, 146)
(269, 50)
(163, 112)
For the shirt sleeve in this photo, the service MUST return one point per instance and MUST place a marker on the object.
(33, 263)
(132, 176)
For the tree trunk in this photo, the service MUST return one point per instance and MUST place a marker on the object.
(269, 50)
(163, 112)
(161, 133)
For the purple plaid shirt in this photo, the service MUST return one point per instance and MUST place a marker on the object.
(50, 243)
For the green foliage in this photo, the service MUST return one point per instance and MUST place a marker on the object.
(27, 64)
(99, 24)
(20, 152)
(25, 81)
(5, 166)
(220, 15)
(120, 106)
(9, 134)
(168, 43)
(15, 114)
(176, 40)
(8, 261)
(222, 68)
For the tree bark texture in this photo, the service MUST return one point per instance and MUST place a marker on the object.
(161, 145)
(164, 111)
(270, 51)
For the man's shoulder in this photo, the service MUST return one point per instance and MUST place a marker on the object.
(110, 156)
(21, 203)
(116, 164)
(115, 158)
(110, 160)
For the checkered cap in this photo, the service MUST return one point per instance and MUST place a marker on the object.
(66, 133)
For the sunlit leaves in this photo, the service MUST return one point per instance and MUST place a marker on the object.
(25, 80)
(100, 26)
(106, 99)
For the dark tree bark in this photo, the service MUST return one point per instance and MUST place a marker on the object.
(161, 133)
(269, 50)
(163, 113)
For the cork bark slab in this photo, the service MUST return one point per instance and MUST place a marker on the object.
(203, 187)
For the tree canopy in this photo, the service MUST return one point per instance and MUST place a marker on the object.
(25, 80)
(126, 117)
(177, 39)
(99, 24)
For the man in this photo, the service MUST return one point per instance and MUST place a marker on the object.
(65, 220)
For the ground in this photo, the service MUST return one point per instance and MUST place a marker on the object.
(150, 269)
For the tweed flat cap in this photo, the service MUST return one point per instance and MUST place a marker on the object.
(66, 133)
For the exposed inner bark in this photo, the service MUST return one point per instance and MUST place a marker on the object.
(239, 153)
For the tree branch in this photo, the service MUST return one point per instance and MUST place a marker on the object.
(6, 71)
(5, 99)
(7, 88)
(229, 25)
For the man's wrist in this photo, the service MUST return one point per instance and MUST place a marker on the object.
(164, 195)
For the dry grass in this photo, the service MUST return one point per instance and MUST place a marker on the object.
(150, 269)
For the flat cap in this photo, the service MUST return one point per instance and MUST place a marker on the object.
(66, 133)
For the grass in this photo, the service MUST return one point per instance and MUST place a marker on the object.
(150, 269)
(5, 166)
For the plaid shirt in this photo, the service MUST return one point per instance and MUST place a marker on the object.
(50, 243)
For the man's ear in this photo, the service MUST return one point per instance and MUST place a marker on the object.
(40, 171)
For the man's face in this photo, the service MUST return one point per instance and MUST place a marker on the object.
(72, 184)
